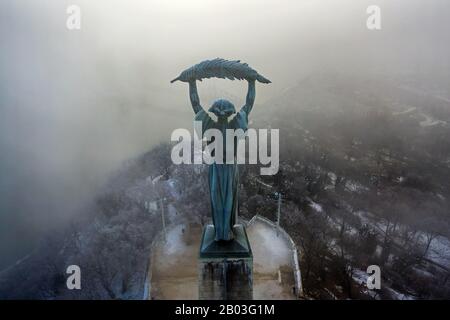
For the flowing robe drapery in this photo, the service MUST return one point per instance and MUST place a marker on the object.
(224, 178)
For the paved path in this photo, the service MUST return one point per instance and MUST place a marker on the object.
(271, 260)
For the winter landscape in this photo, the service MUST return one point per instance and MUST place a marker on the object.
(86, 176)
(364, 180)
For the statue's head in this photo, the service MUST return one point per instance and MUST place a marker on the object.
(222, 108)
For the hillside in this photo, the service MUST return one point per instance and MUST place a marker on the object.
(364, 176)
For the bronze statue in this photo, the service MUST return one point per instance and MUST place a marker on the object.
(223, 177)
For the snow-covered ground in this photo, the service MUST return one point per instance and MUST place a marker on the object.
(353, 186)
(314, 205)
(409, 110)
(400, 296)
(439, 251)
(430, 121)
(360, 276)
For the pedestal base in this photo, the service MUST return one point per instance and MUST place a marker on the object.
(225, 268)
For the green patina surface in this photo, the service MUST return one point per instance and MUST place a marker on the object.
(239, 247)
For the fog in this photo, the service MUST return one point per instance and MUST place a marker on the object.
(75, 104)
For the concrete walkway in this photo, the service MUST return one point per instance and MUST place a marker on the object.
(273, 276)
(173, 271)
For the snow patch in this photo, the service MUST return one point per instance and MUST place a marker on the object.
(400, 296)
(354, 186)
(409, 110)
(439, 251)
(360, 276)
(430, 121)
(317, 207)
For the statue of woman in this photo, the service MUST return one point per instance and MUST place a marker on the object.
(223, 178)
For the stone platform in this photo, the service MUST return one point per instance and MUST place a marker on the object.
(225, 268)
(174, 263)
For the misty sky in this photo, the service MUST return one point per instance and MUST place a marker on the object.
(75, 104)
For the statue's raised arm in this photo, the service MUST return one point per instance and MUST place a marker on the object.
(250, 100)
(193, 94)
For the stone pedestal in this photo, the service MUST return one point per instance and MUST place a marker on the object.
(225, 268)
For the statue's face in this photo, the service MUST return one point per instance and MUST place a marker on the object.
(222, 108)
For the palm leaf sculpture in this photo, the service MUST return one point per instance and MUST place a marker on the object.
(220, 68)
